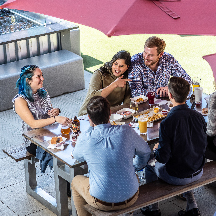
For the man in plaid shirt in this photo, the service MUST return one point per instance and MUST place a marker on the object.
(153, 68)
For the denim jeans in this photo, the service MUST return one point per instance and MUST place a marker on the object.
(159, 171)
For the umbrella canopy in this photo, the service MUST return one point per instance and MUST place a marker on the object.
(211, 59)
(123, 17)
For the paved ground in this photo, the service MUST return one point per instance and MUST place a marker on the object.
(15, 201)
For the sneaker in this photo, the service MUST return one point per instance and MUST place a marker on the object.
(182, 197)
(147, 212)
(192, 212)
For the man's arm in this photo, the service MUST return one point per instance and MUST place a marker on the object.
(142, 151)
(78, 152)
(163, 150)
(135, 74)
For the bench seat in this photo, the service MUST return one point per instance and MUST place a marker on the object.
(63, 73)
(159, 190)
(18, 153)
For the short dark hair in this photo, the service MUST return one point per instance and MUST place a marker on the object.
(156, 42)
(98, 109)
(179, 88)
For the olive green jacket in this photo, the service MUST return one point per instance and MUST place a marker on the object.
(98, 82)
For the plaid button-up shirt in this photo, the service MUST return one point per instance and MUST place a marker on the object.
(143, 77)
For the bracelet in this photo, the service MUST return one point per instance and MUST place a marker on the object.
(54, 118)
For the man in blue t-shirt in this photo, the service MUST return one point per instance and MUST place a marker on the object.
(109, 151)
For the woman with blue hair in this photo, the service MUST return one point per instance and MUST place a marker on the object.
(32, 103)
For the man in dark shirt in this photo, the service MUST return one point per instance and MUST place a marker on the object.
(181, 147)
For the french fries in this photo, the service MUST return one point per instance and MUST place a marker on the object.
(155, 117)
(137, 116)
(139, 100)
(114, 123)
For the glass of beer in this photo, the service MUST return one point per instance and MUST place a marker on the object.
(65, 129)
(143, 125)
(156, 109)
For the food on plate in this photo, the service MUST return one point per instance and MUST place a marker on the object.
(56, 140)
(205, 110)
(155, 117)
(114, 123)
(145, 113)
(139, 100)
(126, 113)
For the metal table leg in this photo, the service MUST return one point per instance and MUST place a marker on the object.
(35, 191)
(64, 174)
(61, 190)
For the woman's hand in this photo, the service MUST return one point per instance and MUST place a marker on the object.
(117, 83)
(121, 82)
(53, 112)
(21, 108)
(63, 120)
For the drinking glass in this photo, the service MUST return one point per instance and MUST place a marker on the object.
(134, 106)
(65, 129)
(143, 125)
(151, 96)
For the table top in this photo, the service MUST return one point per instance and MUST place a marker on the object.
(41, 136)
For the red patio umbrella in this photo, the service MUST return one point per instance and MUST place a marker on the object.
(123, 17)
(211, 59)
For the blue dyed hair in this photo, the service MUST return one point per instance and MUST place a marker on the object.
(27, 72)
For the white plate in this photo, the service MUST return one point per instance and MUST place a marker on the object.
(124, 110)
(115, 117)
(137, 97)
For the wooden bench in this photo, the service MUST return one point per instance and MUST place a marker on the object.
(159, 190)
(18, 153)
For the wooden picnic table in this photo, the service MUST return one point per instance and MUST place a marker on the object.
(66, 167)
(152, 135)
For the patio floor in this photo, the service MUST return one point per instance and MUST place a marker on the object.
(13, 197)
